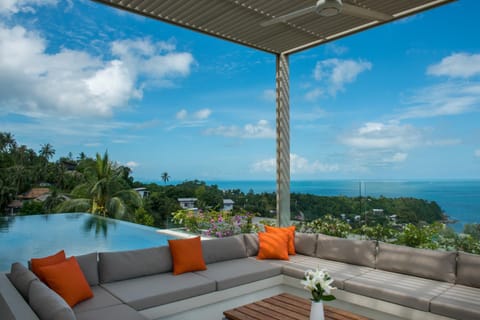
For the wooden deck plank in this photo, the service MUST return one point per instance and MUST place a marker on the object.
(285, 307)
(285, 312)
(292, 306)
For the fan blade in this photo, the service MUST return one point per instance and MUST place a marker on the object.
(360, 12)
(289, 16)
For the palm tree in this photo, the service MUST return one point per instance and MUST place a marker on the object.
(46, 151)
(165, 177)
(104, 193)
(7, 142)
(81, 156)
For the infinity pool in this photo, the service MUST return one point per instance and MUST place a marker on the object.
(24, 237)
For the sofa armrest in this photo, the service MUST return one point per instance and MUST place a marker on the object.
(12, 304)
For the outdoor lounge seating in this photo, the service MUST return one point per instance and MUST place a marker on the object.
(134, 284)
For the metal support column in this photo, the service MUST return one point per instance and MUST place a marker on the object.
(283, 140)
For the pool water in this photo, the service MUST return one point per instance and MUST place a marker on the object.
(25, 237)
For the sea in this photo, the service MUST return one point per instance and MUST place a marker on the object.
(459, 199)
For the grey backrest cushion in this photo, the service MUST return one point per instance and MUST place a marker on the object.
(21, 278)
(305, 243)
(47, 304)
(424, 263)
(359, 252)
(216, 250)
(122, 265)
(89, 265)
(251, 243)
(468, 269)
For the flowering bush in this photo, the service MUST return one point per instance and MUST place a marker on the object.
(319, 283)
(214, 223)
(221, 227)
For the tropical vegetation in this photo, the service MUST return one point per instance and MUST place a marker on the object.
(105, 191)
(106, 188)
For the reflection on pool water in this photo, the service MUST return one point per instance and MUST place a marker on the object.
(25, 237)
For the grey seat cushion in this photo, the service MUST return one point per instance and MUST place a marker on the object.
(101, 299)
(305, 243)
(12, 304)
(151, 291)
(359, 252)
(122, 265)
(405, 290)
(216, 250)
(459, 302)
(47, 304)
(339, 271)
(468, 269)
(231, 273)
(21, 278)
(430, 264)
(89, 265)
(118, 312)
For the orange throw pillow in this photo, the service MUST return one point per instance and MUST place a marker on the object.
(290, 231)
(37, 263)
(187, 255)
(67, 279)
(272, 246)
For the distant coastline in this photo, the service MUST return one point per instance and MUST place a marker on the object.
(458, 198)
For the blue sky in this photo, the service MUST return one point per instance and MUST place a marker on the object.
(400, 101)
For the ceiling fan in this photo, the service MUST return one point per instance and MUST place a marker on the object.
(328, 8)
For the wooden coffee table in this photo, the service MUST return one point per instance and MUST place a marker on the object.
(285, 307)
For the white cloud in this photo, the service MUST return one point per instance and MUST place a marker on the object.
(312, 115)
(8, 7)
(92, 144)
(187, 119)
(267, 165)
(336, 48)
(477, 153)
(336, 72)
(298, 165)
(37, 83)
(202, 114)
(458, 65)
(132, 164)
(269, 95)
(445, 99)
(182, 114)
(314, 94)
(377, 135)
(396, 157)
(444, 142)
(260, 130)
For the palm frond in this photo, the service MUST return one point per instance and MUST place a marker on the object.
(75, 205)
(116, 207)
(130, 196)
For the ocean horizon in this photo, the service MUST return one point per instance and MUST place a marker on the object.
(459, 199)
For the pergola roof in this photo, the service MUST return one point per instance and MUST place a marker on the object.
(240, 20)
(243, 22)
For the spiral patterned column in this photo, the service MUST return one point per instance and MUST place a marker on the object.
(283, 140)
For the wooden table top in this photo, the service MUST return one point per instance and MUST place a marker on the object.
(285, 307)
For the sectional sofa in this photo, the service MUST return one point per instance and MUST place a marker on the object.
(139, 284)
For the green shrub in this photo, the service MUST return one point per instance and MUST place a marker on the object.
(327, 225)
(378, 232)
(426, 236)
